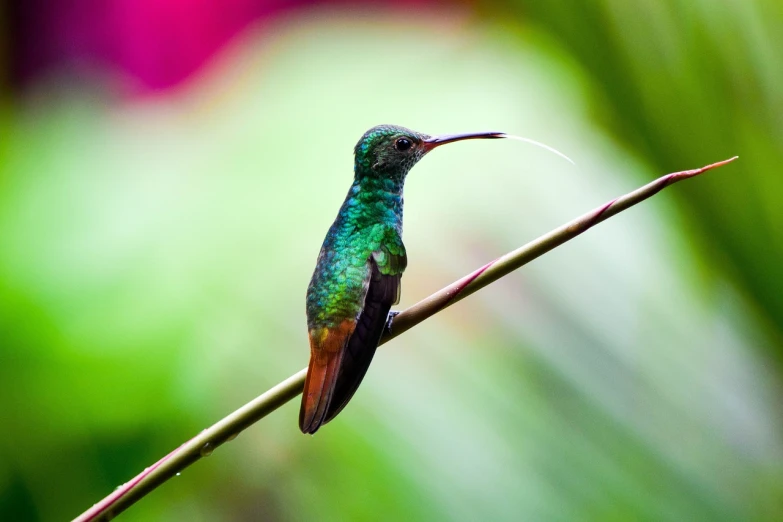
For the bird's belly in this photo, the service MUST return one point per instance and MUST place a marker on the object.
(337, 289)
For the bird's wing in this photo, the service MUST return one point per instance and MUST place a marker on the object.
(342, 356)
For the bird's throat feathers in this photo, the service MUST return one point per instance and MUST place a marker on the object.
(378, 199)
(377, 177)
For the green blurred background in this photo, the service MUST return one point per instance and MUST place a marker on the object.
(168, 170)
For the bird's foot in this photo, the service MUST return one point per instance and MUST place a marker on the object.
(389, 319)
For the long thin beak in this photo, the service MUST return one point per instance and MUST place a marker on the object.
(436, 141)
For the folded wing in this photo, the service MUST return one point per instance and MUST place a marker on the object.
(341, 356)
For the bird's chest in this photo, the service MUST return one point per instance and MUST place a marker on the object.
(339, 280)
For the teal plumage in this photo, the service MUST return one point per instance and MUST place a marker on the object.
(357, 276)
(370, 220)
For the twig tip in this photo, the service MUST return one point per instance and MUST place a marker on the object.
(721, 163)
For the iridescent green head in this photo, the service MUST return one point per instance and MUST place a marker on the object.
(390, 151)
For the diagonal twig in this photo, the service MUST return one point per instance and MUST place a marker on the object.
(229, 427)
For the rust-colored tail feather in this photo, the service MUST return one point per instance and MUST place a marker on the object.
(318, 389)
(327, 347)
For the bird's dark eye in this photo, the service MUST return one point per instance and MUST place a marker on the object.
(403, 144)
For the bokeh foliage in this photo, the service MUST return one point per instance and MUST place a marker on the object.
(154, 254)
(683, 80)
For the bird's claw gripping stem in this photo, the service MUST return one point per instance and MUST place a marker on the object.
(389, 319)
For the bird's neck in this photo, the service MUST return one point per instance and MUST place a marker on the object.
(375, 200)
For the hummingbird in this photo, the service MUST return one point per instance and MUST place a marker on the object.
(357, 276)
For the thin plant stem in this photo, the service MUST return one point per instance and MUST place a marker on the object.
(230, 426)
